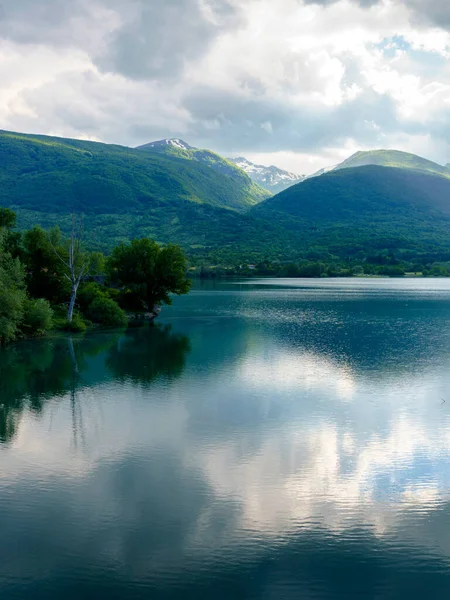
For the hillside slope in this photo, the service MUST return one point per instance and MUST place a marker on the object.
(46, 173)
(388, 158)
(126, 193)
(179, 149)
(376, 206)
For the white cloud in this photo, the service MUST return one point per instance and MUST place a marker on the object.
(289, 82)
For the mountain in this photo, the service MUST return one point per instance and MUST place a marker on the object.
(179, 149)
(271, 178)
(42, 170)
(368, 207)
(127, 193)
(388, 158)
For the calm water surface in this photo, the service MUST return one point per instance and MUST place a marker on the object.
(272, 439)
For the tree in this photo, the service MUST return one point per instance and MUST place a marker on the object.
(7, 218)
(148, 274)
(76, 262)
(45, 271)
(12, 293)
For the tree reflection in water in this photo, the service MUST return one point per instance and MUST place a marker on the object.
(34, 372)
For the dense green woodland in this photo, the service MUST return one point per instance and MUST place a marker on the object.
(387, 218)
(55, 175)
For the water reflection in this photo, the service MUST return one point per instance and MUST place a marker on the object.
(262, 447)
(34, 372)
(142, 357)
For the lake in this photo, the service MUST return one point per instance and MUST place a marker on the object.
(269, 439)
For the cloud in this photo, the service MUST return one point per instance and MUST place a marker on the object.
(435, 12)
(239, 76)
(160, 38)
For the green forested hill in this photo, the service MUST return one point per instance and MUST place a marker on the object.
(127, 193)
(394, 158)
(180, 149)
(52, 174)
(389, 158)
(370, 207)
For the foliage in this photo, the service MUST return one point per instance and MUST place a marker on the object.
(366, 210)
(97, 264)
(76, 325)
(89, 291)
(439, 271)
(394, 158)
(38, 317)
(48, 174)
(96, 302)
(45, 271)
(212, 160)
(148, 273)
(128, 193)
(12, 293)
(106, 312)
(8, 218)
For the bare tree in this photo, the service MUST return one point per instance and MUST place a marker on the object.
(76, 264)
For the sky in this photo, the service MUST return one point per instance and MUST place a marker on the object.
(301, 84)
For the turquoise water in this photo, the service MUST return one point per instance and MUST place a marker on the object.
(269, 439)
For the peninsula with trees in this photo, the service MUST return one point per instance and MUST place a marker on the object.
(48, 281)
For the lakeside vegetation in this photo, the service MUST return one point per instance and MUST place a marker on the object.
(384, 266)
(47, 281)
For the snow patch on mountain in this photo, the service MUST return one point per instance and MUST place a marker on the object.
(272, 178)
(175, 142)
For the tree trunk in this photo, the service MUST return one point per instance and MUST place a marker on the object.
(72, 303)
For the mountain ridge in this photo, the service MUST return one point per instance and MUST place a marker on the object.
(178, 148)
(271, 178)
(126, 193)
(387, 158)
(384, 207)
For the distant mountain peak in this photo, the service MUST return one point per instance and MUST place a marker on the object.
(271, 178)
(177, 148)
(387, 158)
(169, 142)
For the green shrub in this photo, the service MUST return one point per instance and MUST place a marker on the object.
(11, 312)
(12, 293)
(113, 293)
(38, 316)
(105, 311)
(77, 325)
(87, 293)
